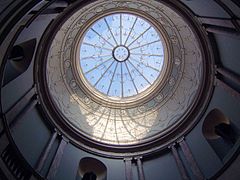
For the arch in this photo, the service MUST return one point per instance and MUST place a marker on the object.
(19, 60)
(214, 118)
(90, 169)
(220, 133)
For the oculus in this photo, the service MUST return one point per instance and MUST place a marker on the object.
(121, 55)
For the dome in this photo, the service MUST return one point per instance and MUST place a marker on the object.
(125, 74)
(119, 89)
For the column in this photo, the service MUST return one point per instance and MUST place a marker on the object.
(128, 168)
(190, 159)
(46, 152)
(140, 168)
(179, 163)
(57, 159)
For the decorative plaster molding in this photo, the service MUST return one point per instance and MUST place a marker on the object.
(142, 120)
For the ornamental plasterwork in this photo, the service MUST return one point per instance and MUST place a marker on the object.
(143, 119)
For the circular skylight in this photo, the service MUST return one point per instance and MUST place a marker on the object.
(121, 55)
(124, 72)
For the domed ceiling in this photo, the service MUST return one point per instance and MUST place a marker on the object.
(124, 72)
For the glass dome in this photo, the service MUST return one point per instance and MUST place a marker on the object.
(124, 73)
(121, 55)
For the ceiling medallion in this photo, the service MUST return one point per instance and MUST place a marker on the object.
(124, 72)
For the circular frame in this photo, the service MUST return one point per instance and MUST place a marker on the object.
(115, 55)
(131, 101)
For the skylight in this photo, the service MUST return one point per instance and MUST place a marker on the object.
(121, 55)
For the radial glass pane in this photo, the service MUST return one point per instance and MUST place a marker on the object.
(121, 55)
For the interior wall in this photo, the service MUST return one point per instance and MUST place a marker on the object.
(31, 134)
(205, 8)
(229, 48)
(162, 167)
(70, 163)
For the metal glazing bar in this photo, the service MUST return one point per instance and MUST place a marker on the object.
(131, 31)
(105, 128)
(140, 73)
(98, 66)
(103, 74)
(102, 37)
(120, 29)
(131, 77)
(110, 30)
(93, 45)
(100, 56)
(99, 118)
(145, 44)
(112, 78)
(158, 55)
(145, 65)
(115, 126)
(140, 36)
(122, 80)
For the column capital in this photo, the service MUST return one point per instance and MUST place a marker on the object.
(138, 157)
(172, 145)
(180, 139)
(128, 159)
(65, 139)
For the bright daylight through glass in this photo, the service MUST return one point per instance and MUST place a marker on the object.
(121, 55)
